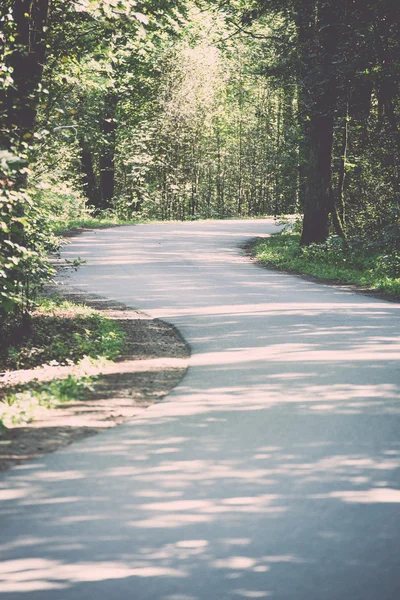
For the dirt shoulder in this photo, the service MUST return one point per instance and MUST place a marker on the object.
(154, 361)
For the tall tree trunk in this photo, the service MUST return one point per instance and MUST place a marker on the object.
(194, 181)
(90, 187)
(107, 178)
(388, 91)
(323, 91)
(305, 23)
(220, 191)
(387, 83)
(106, 163)
(27, 61)
(23, 49)
(319, 180)
(338, 208)
(278, 158)
(240, 136)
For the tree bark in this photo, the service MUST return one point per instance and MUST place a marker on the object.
(323, 98)
(27, 60)
(305, 20)
(319, 181)
(106, 163)
(388, 90)
(90, 187)
(342, 171)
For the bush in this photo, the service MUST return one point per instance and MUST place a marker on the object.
(24, 241)
(356, 262)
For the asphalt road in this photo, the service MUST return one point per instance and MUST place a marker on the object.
(272, 471)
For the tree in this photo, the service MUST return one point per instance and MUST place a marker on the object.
(24, 25)
(24, 48)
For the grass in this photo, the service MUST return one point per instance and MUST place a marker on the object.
(58, 333)
(61, 227)
(371, 269)
(61, 332)
(24, 403)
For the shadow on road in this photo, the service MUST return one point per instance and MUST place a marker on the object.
(272, 471)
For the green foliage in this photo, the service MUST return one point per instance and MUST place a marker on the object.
(209, 139)
(61, 332)
(333, 261)
(25, 237)
(55, 184)
(58, 71)
(107, 218)
(127, 111)
(25, 402)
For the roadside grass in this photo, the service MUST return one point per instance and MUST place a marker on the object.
(59, 333)
(61, 227)
(23, 403)
(332, 262)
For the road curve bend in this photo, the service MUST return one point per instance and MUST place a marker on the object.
(271, 471)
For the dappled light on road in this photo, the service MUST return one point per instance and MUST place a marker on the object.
(272, 470)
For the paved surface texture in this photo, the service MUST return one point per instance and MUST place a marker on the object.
(272, 470)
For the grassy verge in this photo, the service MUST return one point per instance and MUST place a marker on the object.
(23, 403)
(59, 333)
(371, 269)
(62, 227)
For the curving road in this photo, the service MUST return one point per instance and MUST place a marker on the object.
(272, 470)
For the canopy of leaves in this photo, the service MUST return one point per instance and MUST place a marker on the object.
(182, 110)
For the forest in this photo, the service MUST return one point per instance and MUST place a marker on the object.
(199, 299)
(129, 111)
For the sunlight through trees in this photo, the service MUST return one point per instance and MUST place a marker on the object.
(195, 109)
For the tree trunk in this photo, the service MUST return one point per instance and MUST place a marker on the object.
(304, 18)
(338, 202)
(88, 177)
(319, 180)
(106, 163)
(220, 191)
(387, 92)
(27, 61)
(387, 84)
(278, 158)
(323, 99)
(107, 181)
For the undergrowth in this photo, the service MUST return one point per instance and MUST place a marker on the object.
(23, 403)
(110, 219)
(63, 226)
(358, 264)
(60, 332)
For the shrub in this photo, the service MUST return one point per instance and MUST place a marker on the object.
(24, 241)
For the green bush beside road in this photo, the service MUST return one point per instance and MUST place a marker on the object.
(333, 261)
